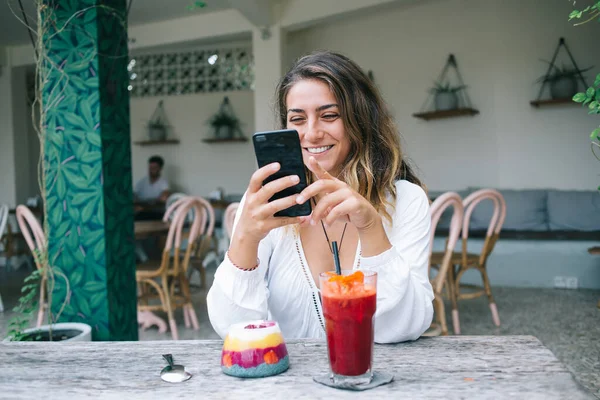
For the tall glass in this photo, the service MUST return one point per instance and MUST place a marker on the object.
(349, 304)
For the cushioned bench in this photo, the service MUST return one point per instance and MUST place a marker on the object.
(546, 233)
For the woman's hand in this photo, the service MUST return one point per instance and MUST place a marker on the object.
(338, 201)
(256, 219)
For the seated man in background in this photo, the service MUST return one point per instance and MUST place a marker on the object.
(150, 194)
(152, 188)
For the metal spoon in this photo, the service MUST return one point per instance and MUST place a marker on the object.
(173, 373)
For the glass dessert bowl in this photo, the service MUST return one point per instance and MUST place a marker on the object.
(254, 349)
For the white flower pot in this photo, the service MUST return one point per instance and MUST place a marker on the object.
(446, 101)
(563, 88)
(69, 332)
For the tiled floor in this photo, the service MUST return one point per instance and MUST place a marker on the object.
(566, 321)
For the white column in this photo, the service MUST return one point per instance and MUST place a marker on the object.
(267, 48)
(7, 155)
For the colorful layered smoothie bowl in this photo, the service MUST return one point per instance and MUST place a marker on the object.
(254, 349)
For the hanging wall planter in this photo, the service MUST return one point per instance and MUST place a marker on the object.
(563, 83)
(158, 124)
(225, 126)
(446, 100)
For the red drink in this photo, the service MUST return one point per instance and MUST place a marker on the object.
(349, 304)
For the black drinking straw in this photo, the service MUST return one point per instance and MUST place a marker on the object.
(336, 258)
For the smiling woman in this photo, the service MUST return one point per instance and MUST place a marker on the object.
(365, 196)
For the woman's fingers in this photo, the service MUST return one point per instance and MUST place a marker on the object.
(327, 203)
(274, 206)
(321, 186)
(258, 177)
(317, 169)
(268, 190)
(341, 211)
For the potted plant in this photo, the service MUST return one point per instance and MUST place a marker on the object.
(157, 131)
(28, 304)
(157, 126)
(224, 123)
(562, 81)
(445, 96)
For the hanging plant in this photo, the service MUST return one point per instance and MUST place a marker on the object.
(224, 124)
(562, 81)
(445, 96)
(158, 124)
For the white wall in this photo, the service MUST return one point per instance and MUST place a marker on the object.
(193, 166)
(498, 46)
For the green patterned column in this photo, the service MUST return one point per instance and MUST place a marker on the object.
(87, 161)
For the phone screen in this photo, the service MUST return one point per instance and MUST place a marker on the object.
(283, 147)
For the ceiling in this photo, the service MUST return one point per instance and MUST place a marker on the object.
(142, 11)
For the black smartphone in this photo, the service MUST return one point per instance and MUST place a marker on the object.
(283, 146)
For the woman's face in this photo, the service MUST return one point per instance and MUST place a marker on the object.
(313, 111)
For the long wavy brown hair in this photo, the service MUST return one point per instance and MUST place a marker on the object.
(375, 161)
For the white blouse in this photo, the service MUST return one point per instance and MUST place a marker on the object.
(282, 287)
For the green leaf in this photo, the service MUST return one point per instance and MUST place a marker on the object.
(88, 211)
(75, 121)
(82, 197)
(73, 178)
(94, 138)
(91, 157)
(76, 277)
(99, 250)
(90, 238)
(51, 202)
(66, 260)
(61, 186)
(579, 97)
(595, 133)
(74, 213)
(62, 228)
(97, 299)
(94, 287)
(590, 92)
(593, 105)
(100, 212)
(68, 311)
(83, 148)
(78, 256)
(86, 111)
(73, 241)
(84, 307)
(56, 215)
(93, 83)
(76, 81)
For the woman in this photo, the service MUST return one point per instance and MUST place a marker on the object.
(364, 196)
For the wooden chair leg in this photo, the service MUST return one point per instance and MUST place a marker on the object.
(186, 318)
(488, 292)
(202, 277)
(453, 298)
(169, 309)
(440, 310)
